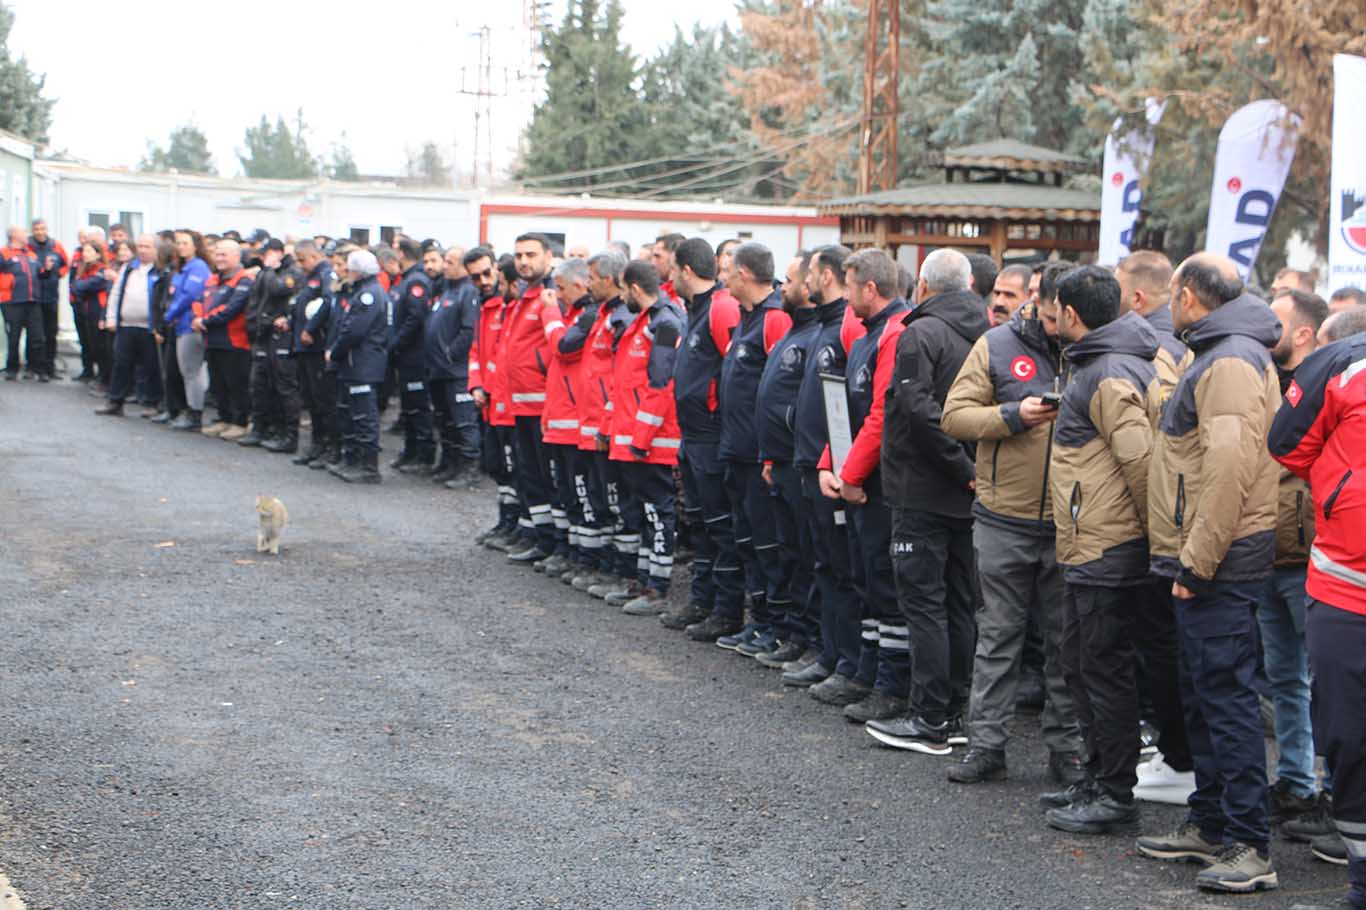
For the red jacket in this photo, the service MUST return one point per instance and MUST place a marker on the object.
(524, 350)
(599, 356)
(223, 309)
(564, 378)
(644, 417)
(483, 364)
(1320, 434)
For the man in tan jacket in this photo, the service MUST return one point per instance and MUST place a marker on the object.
(1212, 531)
(997, 402)
(1099, 485)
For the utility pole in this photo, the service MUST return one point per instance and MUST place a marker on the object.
(483, 104)
(877, 135)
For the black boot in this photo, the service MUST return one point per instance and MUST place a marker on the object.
(314, 452)
(365, 470)
(421, 466)
(331, 455)
(405, 457)
(464, 477)
(112, 409)
(287, 443)
(346, 462)
(254, 436)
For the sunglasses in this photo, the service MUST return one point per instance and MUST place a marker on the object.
(486, 273)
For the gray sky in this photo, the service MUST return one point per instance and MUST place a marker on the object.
(127, 72)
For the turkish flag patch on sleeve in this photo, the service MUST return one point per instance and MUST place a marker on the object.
(416, 291)
(1294, 394)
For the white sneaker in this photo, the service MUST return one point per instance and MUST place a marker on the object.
(1158, 783)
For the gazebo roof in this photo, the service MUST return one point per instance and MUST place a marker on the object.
(1012, 155)
(1002, 201)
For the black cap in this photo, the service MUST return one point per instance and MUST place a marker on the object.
(274, 243)
(329, 247)
(431, 244)
(260, 236)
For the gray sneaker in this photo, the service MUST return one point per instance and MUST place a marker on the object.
(1239, 869)
(650, 603)
(1185, 843)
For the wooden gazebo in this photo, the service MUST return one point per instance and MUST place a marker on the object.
(1001, 195)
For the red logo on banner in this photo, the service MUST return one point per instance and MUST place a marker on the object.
(1023, 368)
(1234, 184)
(1293, 394)
(1117, 179)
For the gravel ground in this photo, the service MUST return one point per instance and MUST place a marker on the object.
(386, 716)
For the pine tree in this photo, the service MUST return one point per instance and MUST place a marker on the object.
(428, 166)
(801, 88)
(342, 165)
(591, 110)
(277, 152)
(23, 109)
(187, 153)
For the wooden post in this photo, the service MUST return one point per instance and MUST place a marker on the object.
(998, 242)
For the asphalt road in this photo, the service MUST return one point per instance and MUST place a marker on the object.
(386, 716)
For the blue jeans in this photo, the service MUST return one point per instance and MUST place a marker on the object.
(1223, 719)
(1281, 617)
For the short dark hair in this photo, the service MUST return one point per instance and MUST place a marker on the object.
(672, 241)
(1093, 294)
(832, 257)
(756, 259)
(1048, 283)
(410, 249)
(873, 264)
(725, 244)
(696, 254)
(537, 236)
(1022, 272)
(643, 275)
(1208, 284)
(118, 226)
(1309, 309)
(474, 254)
(984, 273)
(1351, 292)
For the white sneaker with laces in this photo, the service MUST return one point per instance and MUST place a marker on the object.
(1159, 783)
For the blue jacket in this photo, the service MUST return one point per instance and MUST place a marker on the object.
(115, 313)
(49, 279)
(311, 309)
(412, 301)
(359, 350)
(24, 266)
(779, 385)
(759, 330)
(825, 355)
(187, 287)
(450, 330)
(697, 366)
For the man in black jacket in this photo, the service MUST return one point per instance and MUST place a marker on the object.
(928, 478)
(275, 397)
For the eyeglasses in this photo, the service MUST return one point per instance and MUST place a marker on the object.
(486, 273)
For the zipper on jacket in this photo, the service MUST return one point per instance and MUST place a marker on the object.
(1333, 496)
(540, 364)
(1048, 449)
(1076, 504)
(1299, 515)
(605, 397)
(567, 390)
(994, 454)
(1180, 513)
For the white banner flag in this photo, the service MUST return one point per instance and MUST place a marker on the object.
(1347, 227)
(1121, 195)
(1250, 167)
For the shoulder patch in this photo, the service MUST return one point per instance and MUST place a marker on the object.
(416, 290)
(367, 298)
(315, 283)
(1023, 368)
(289, 281)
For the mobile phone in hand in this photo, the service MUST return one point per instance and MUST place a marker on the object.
(1051, 399)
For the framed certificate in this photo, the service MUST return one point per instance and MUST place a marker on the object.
(836, 419)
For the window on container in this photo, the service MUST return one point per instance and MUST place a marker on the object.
(132, 221)
(360, 236)
(387, 233)
(99, 220)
